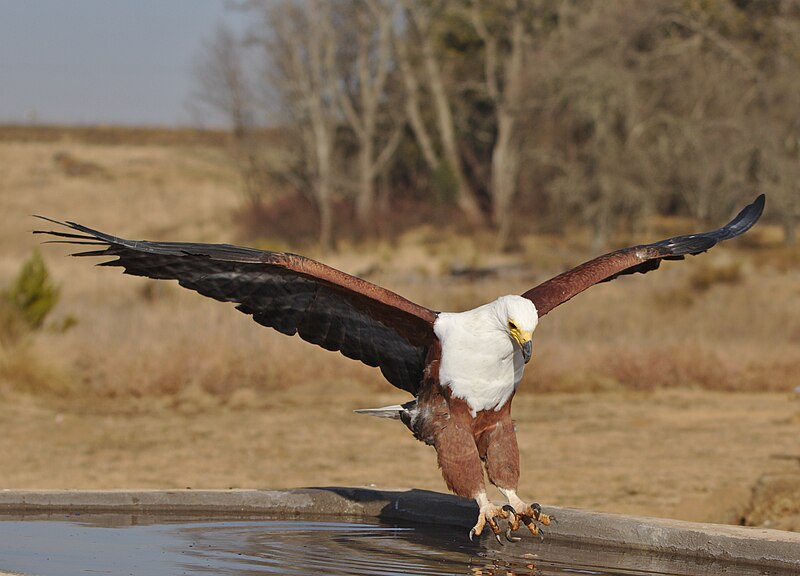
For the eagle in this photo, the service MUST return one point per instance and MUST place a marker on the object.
(462, 368)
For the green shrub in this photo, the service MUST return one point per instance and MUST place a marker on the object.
(29, 299)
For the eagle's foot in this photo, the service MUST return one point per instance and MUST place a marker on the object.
(531, 516)
(489, 514)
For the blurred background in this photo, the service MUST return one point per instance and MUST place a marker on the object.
(450, 150)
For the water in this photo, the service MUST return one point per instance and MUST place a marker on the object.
(128, 545)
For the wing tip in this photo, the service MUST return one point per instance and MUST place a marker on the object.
(46, 218)
(698, 243)
(84, 232)
(747, 217)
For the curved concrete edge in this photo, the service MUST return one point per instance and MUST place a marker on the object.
(704, 541)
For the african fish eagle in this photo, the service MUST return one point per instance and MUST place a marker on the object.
(462, 368)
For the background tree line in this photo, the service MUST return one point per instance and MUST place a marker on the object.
(514, 114)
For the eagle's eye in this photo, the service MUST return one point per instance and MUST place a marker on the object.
(511, 325)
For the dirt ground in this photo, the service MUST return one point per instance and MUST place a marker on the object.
(692, 455)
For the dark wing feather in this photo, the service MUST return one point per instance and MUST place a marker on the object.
(641, 259)
(290, 293)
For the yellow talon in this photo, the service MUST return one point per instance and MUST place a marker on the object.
(487, 515)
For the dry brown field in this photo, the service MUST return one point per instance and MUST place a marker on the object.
(668, 394)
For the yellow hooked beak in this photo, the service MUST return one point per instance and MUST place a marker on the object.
(524, 339)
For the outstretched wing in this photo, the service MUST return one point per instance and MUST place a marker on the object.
(644, 258)
(293, 294)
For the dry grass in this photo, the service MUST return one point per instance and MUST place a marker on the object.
(718, 321)
(112, 135)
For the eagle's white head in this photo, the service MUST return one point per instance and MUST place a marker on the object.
(518, 316)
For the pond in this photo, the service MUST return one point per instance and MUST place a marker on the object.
(125, 545)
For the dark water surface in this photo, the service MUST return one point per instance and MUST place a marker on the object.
(127, 545)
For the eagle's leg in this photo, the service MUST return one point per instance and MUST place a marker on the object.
(462, 472)
(502, 467)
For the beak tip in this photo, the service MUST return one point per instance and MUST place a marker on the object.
(527, 349)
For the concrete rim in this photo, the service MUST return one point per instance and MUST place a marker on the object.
(578, 527)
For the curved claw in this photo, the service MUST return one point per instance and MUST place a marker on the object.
(534, 529)
(513, 517)
(539, 516)
(511, 538)
(495, 528)
(472, 535)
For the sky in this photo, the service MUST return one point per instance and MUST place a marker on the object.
(104, 61)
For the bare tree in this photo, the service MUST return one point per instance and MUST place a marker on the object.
(781, 132)
(606, 110)
(710, 91)
(504, 83)
(362, 93)
(600, 178)
(649, 110)
(421, 70)
(786, 181)
(301, 53)
(591, 170)
(223, 85)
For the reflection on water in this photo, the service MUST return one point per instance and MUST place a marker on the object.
(132, 545)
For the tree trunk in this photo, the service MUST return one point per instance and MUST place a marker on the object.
(465, 198)
(323, 189)
(505, 167)
(508, 100)
(325, 219)
(365, 201)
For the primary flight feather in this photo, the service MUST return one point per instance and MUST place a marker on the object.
(462, 368)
